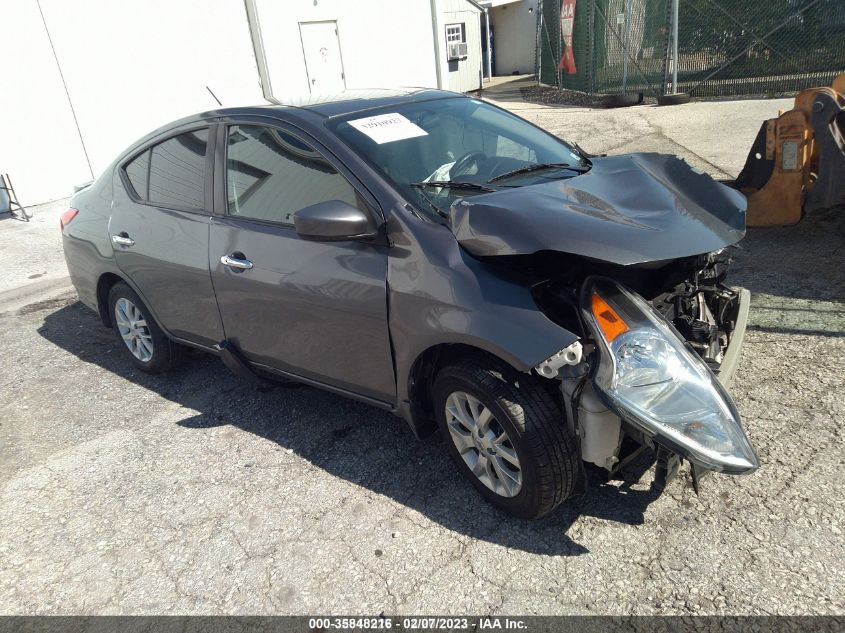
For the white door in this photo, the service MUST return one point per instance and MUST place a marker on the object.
(322, 57)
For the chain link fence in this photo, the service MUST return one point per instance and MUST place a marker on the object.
(725, 47)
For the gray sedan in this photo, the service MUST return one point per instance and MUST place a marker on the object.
(440, 258)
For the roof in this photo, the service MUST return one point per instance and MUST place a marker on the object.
(349, 101)
(336, 105)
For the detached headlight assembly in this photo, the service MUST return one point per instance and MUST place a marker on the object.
(650, 378)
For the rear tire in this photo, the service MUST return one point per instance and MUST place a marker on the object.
(139, 334)
(520, 410)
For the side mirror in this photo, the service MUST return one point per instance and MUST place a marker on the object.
(333, 221)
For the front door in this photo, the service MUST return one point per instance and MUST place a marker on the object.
(322, 57)
(314, 309)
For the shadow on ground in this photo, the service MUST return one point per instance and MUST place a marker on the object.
(805, 261)
(351, 440)
(796, 276)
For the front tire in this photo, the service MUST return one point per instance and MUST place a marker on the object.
(147, 346)
(507, 436)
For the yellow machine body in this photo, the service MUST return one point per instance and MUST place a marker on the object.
(788, 151)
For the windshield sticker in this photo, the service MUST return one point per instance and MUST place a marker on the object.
(386, 128)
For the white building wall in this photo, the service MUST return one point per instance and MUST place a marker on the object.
(40, 149)
(461, 75)
(514, 36)
(134, 65)
(131, 66)
(383, 43)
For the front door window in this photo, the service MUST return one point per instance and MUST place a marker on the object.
(271, 174)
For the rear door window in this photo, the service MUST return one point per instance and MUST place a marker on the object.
(270, 175)
(172, 173)
(177, 171)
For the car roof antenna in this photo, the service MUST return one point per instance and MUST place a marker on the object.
(214, 95)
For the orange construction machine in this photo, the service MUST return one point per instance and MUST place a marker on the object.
(797, 161)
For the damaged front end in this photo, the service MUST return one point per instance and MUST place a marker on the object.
(614, 255)
(653, 363)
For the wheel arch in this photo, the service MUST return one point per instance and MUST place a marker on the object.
(420, 379)
(105, 283)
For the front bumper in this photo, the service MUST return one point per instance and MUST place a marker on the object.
(731, 357)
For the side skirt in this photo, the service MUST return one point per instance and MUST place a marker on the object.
(235, 362)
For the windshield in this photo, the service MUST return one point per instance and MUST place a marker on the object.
(438, 151)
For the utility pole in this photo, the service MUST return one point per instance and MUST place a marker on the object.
(675, 45)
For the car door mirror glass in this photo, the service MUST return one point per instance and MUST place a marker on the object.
(334, 221)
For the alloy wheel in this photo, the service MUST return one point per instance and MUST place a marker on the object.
(133, 329)
(483, 444)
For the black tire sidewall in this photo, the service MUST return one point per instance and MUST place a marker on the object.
(163, 353)
(622, 100)
(526, 504)
(673, 99)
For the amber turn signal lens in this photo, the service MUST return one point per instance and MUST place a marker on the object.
(610, 323)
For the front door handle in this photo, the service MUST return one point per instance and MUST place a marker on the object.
(236, 260)
(122, 239)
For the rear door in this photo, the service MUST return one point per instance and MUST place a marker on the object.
(314, 309)
(159, 231)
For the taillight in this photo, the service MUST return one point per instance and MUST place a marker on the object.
(67, 216)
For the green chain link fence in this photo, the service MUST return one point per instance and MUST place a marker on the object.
(726, 47)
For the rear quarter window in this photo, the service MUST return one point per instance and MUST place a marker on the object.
(138, 172)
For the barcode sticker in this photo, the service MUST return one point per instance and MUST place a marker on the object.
(387, 128)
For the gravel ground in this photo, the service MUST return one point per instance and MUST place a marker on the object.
(197, 492)
(553, 96)
(549, 95)
(32, 250)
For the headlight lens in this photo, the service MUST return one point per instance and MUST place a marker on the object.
(652, 380)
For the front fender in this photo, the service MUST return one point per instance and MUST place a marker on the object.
(438, 294)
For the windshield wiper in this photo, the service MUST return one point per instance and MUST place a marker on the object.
(434, 207)
(452, 184)
(537, 167)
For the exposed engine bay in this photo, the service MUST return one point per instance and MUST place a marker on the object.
(690, 293)
(703, 309)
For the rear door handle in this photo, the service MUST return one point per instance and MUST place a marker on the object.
(122, 239)
(236, 260)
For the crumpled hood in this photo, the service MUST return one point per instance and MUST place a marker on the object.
(627, 209)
